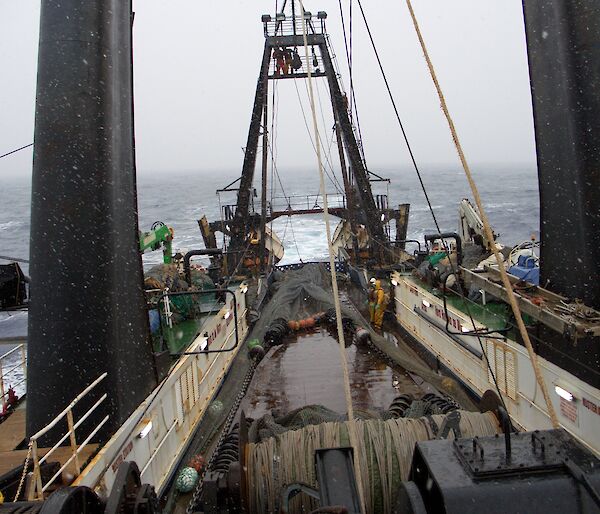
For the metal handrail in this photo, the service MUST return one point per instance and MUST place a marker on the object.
(38, 489)
(286, 27)
(165, 298)
(5, 373)
(288, 202)
(11, 351)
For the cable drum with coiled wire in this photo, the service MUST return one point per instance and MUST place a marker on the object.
(386, 446)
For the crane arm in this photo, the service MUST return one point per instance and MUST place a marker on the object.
(159, 236)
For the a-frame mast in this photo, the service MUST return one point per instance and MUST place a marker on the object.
(282, 33)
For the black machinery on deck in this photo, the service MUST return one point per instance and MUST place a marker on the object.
(541, 471)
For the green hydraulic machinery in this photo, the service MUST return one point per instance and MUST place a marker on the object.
(159, 236)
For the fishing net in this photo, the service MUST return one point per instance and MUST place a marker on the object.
(163, 276)
(301, 293)
(270, 426)
(295, 295)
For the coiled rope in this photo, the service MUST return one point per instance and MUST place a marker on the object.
(486, 227)
(385, 449)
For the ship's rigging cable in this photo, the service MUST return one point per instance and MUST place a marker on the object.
(330, 142)
(486, 226)
(430, 206)
(333, 180)
(16, 150)
(15, 259)
(272, 141)
(352, 100)
(294, 238)
(334, 284)
(272, 144)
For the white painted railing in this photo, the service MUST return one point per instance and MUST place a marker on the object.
(37, 490)
(12, 375)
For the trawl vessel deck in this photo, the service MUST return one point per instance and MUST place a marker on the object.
(245, 386)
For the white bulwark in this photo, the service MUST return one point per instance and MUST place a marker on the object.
(577, 404)
(158, 431)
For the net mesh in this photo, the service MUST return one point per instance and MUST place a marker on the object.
(303, 292)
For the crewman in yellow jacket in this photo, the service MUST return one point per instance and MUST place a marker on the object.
(377, 304)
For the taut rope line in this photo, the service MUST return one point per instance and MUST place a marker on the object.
(487, 228)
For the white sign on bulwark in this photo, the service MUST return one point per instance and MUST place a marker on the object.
(569, 410)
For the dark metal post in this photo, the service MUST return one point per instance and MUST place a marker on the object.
(294, 16)
(347, 189)
(365, 194)
(240, 225)
(402, 225)
(263, 198)
(563, 45)
(88, 311)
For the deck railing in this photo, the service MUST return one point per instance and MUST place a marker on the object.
(306, 202)
(286, 25)
(37, 488)
(12, 374)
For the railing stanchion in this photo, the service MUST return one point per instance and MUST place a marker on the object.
(2, 387)
(36, 488)
(24, 360)
(73, 441)
(38, 494)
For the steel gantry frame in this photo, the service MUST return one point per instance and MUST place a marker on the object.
(360, 207)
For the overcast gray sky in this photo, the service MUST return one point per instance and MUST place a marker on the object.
(196, 65)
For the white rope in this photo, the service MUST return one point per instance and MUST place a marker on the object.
(334, 284)
(487, 228)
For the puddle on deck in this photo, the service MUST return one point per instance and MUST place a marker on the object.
(306, 370)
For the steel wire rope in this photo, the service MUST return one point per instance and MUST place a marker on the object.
(486, 225)
(424, 189)
(318, 88)
(312, 141)
(271, 143)
(294, 238)
(15, 150)
(330, 142)
(285, 195)
(333, 180)
(273, 140)
(15, 259)
(288, 200)
(351, 75)
(339, 186)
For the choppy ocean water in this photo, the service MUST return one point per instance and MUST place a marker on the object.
(179, 199)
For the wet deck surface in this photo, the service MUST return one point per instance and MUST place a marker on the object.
(306, 370)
